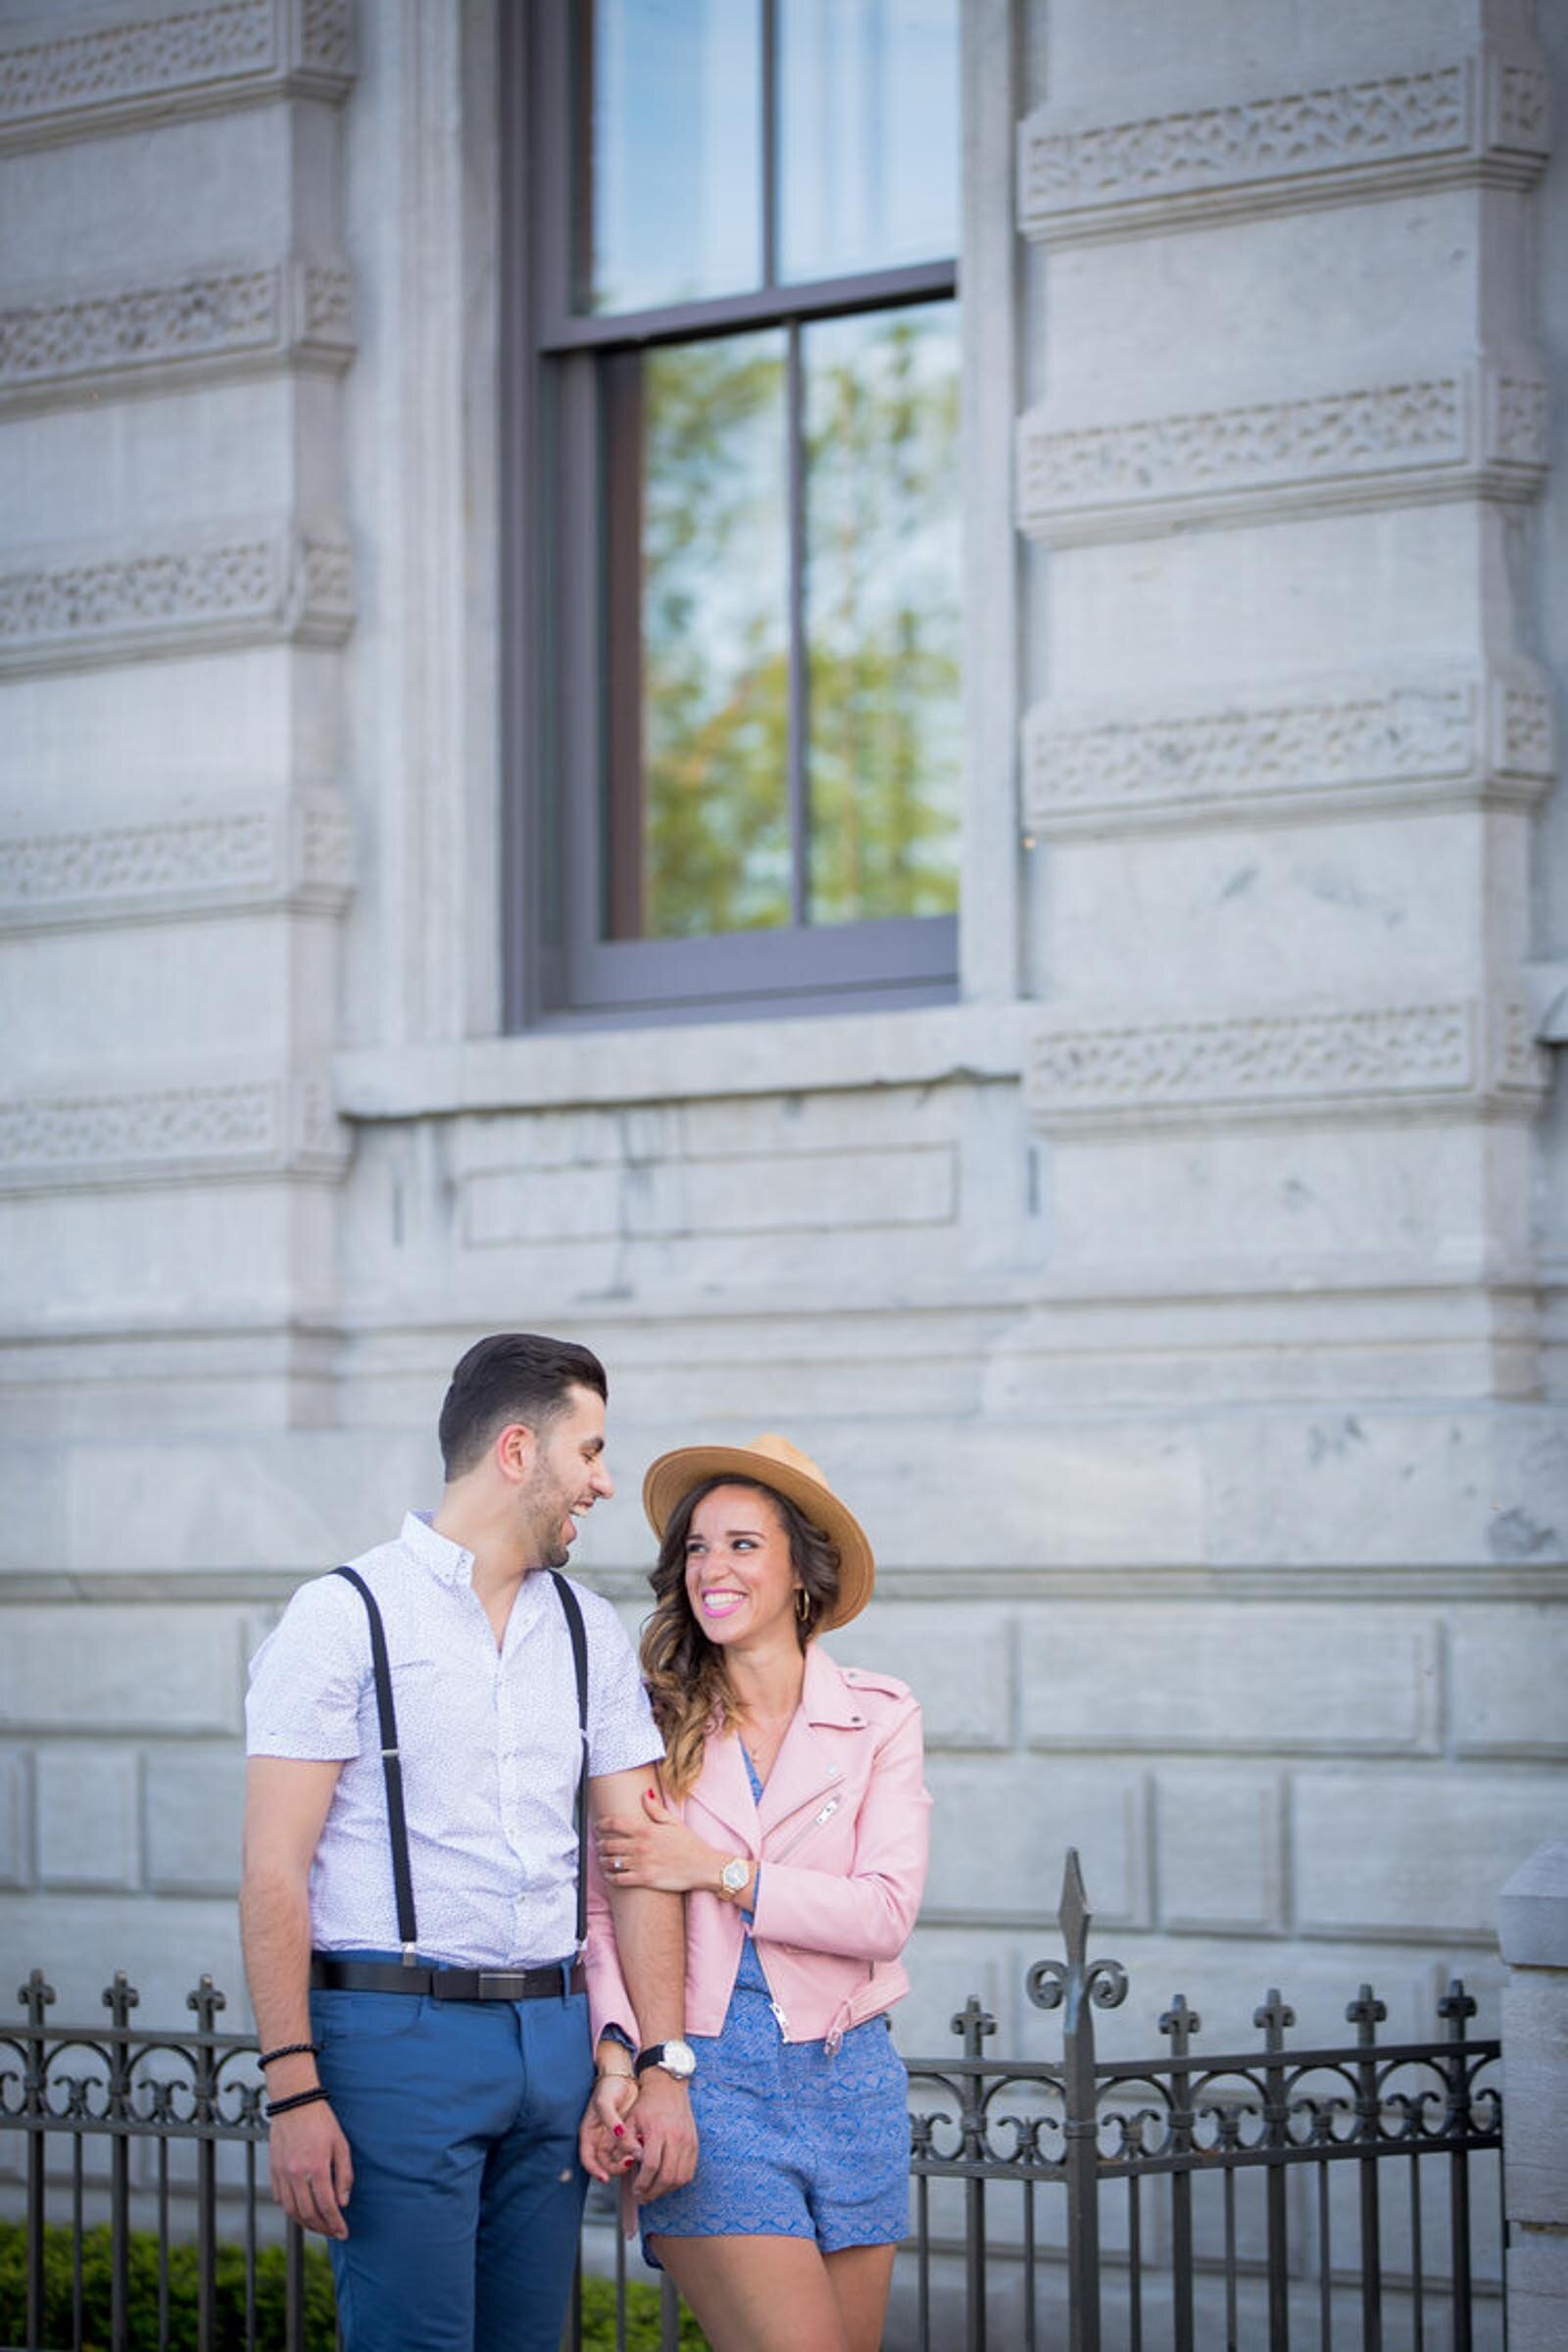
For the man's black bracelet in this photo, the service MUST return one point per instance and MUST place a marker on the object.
(301, 2099)
(290, 2049)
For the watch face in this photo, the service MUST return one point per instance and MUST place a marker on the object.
(734, 1876)
(679, 2059)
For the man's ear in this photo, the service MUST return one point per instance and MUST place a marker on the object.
(514, 1451)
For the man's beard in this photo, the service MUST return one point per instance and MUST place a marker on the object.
(547, 1542)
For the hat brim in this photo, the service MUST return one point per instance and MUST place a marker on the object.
(674, 1475)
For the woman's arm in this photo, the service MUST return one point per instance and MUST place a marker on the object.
(867, 1913)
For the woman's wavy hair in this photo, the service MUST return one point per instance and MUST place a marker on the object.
(684, 1671)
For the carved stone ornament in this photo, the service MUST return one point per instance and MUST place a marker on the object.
(1481, 117)
(1313, 1065)
(172, 1133)
(144, 68)
(1479, 433)
(202, 322)
(1324, 750)
(273, 584)
(276, 852)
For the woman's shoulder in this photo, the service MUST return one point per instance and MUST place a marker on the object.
(872, 1685)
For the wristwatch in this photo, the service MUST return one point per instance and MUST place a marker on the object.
(677, 2058)
(733, 1876)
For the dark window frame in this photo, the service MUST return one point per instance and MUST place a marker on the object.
(558, 697)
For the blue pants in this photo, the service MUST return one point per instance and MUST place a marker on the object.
(461, 2119)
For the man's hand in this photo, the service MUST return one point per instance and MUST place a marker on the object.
(310, 2168)
(668, 2132)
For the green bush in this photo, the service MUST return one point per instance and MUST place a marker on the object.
(321, 2327)
(642, 2318)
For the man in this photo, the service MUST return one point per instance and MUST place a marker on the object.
(431, 2138)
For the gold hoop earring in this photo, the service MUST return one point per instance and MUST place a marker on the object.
(803, 1604)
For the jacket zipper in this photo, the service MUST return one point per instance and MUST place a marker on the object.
(825, 1813)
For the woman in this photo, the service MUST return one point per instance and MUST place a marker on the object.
(794, 1819)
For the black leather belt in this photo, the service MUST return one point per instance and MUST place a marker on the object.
(446, 1984)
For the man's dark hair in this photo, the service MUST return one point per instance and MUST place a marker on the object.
(511, 1376)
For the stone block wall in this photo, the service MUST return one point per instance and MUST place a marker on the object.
(1181, 1309)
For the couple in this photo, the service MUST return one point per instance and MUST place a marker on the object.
(467, 1834)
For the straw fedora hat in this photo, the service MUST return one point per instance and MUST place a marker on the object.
(772, 1462)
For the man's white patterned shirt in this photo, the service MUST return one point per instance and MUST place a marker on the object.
(489, 1744)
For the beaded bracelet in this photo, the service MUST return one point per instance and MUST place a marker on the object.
(290, 2049)
(301, 2099)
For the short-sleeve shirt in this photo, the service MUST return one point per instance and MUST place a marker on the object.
(489, 1742)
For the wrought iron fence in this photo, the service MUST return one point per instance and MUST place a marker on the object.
(1388, 2265)
(149, 2120)
(1265, 2198)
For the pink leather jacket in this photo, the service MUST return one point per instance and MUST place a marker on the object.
(841, 1835)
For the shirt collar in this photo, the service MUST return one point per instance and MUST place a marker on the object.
(444, 1559)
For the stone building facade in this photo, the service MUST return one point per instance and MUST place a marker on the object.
(1182, 1306)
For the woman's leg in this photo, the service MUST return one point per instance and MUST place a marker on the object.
(860, 2276)
(759, 2295)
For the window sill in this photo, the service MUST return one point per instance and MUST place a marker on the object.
(683, 1061)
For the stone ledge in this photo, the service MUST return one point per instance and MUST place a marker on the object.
(1230, 1586)
(1324, 748)
(278, 582)
(154, 68)
(698, 1063)
(271, 851)
(1479, 120)
(1533, 1910)
(190, 1127)
(1475, 431)
(1369, 1062)
(220, 320)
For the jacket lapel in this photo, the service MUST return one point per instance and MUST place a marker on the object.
(810, 1760)
(724, 1789)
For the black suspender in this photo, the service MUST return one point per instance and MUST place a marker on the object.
(392, 1765)
(397, 1822)
(572, 1613)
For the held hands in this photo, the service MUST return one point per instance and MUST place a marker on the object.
(606, 2140)
(311, 2172)
(641, 2129)
(658, 1851)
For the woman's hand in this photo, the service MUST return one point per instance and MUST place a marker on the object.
(606, 2143)
(658, 1851)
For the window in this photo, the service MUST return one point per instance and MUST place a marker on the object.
(734, 588)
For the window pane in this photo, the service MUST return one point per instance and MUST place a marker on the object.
(868, 134)
(882, 613)
(697, 816)
(676, 205)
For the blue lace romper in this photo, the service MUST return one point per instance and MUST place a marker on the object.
(792, 2142)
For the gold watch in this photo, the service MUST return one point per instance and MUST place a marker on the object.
(733, 1876)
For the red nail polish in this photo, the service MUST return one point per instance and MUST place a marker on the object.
(620, 2131)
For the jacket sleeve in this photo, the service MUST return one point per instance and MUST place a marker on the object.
(867, 1913)
(608, 2001)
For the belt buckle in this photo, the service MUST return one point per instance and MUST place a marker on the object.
(490, 1984)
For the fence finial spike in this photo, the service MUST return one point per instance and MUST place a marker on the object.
(1456, 2008)
(35, 1996)
(207, 2002)
(1074, 1914)
(121, 1997)
(1181, 2023)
